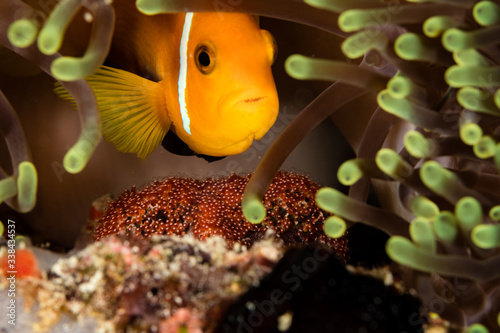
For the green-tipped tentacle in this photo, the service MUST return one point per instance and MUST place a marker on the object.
(443, 182)
(422, 234)
(496, 96)
(461, 3)
(471, 133)
(352, 170)
(469, 57)
(306, 68)
(412, 46)
(27, 183)
(403, 251)
(359, 44)
(334, 227)
(455, 39)
(78, 155)
(485, 147)
(8, 188)
(423, 207)
(153, 7)
(478, 100)
(18, 190)
(486, 236)
(477, 328)
(253, 209)
(402, 87)
(336, 202)
(479, 76)
(469, 213)
(52, 34)
(416, 114)
(496, 158)
(494, 213)
(23, 32)
(445, 227)
(392, 164)
(486, 13)
(357, 19)
(417, 145)
(435, 26)
(342, 5)
(71, 68)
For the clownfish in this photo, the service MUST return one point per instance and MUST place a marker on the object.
(204, 76)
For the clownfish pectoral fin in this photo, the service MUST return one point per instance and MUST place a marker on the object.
(133, 112)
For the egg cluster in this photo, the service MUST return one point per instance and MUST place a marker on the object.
(178, 206)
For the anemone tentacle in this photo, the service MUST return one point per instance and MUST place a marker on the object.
(337, 95)
(79, 154)
(443, 104)
(19, 189)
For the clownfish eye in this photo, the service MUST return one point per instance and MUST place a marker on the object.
(204, 57)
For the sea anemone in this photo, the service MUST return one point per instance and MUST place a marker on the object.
(434, 68)
(20, 26)
(429, 149)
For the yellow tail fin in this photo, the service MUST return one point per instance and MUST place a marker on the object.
(133, 112)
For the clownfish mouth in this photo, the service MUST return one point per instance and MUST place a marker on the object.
(252, 100)
(243, 144)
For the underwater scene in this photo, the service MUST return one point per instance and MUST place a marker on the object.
(250, 166)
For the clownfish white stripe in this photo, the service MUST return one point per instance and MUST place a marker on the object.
(182, 86)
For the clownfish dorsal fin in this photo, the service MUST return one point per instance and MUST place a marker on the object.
(133, 112)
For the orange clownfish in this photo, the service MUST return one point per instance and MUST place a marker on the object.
(209, 81)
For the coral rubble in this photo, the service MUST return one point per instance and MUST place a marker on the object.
(159, 284)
